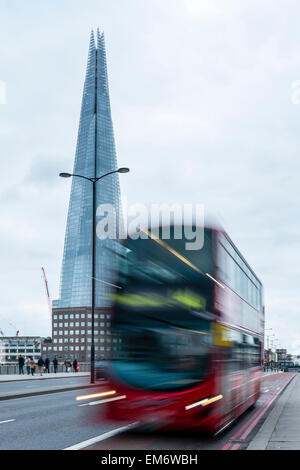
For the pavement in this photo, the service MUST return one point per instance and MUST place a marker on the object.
(13, 387)
(281, 429)
(45, 376)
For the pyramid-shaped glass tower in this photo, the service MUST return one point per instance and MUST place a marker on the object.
(95, 156)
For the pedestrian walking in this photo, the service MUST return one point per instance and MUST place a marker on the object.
(28, 365)
(55, 364)
(67, 365)
(47, 365)
(21, 362)
(75, 365)
(32, 366)
(41, 365)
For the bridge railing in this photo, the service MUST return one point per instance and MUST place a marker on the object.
(13, 369)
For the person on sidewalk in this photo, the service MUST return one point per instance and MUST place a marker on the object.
(21, 362)
(47, 365)
(28, 365)
(55, 364)
(67, 365)
(41, 365)
(32, 366)
(75, 365)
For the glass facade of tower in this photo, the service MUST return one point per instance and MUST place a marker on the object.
(95, 156)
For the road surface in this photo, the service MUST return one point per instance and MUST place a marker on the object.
(58, 421)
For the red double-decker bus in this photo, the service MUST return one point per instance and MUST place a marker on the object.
(187, 327)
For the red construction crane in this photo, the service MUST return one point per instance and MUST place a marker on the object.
(47, 291)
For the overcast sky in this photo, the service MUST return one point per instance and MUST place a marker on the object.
(203, 110)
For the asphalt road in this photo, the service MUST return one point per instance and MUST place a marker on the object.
(53, 421)
(58, 421)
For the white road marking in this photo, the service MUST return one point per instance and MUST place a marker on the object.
(102, 437)
(7, 421)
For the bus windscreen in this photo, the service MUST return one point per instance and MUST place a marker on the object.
(161, 321)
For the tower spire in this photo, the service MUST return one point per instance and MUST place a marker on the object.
(92, 41)
(95, 155)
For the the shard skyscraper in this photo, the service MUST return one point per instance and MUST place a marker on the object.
(95, 156)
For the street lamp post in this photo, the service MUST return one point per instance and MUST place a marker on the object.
(94, 182)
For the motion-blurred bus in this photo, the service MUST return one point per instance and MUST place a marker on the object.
(187, 333)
